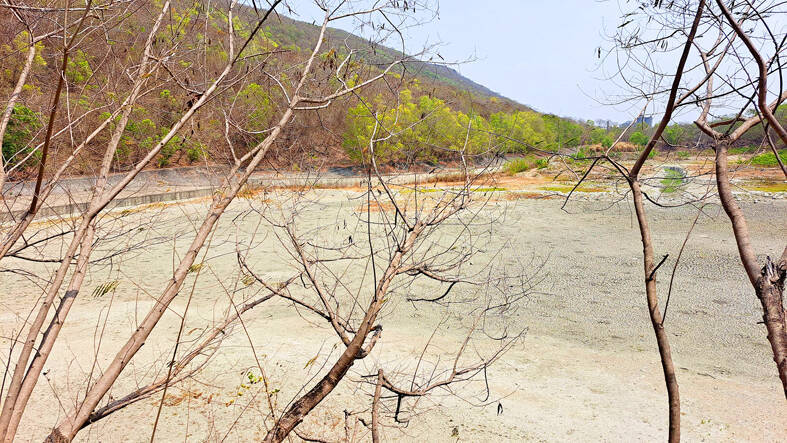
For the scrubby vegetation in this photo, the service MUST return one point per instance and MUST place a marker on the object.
(22, 126)
(520, 165)
(451, 112)
(427, 129)
(769, 158)
(434, 113)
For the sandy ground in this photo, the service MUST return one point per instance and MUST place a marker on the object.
(587, 370)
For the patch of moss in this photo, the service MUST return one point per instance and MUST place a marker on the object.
(767, 187)
(673, 181)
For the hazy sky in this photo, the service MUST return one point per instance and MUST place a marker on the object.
(541, 53)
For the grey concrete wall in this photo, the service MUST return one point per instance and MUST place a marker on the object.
(156, 186)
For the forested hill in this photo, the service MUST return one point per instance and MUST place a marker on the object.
(303, 35)
(431, 108)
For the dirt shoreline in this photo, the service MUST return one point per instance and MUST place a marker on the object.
(588, 369)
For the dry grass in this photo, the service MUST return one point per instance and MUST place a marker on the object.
(568, 188)
(620, 147)
(174, 400)
(375, 207)
(249, 192)
(513, 196)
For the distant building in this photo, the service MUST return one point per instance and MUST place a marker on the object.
(647, 121)
(604, 123)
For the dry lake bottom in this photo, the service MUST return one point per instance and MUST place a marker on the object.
(587, 370)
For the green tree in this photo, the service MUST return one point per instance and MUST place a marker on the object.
(256, 102)
(78, 68)
(598, 136)
(568, 134)
(638, 138)
(422, 130)
(674, 133)
(521, 130)
(19, 132)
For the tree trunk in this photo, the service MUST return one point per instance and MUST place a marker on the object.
(376, 408)
(305, 404)
(770, 291)
(768, 282)
(656, 319)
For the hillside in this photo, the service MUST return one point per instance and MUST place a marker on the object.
(290, 31)
(431, 107)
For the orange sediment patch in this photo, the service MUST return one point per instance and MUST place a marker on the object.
(375, 207)
(528, 196)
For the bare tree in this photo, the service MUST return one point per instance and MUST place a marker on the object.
(398, 241)
(714, 60)
(768, 280)
(634, 181)
(410, 238)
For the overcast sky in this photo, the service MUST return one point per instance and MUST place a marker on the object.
(541, 53)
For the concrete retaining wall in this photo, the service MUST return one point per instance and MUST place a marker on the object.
(210, 179)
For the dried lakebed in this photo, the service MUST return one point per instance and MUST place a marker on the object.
(588, 368)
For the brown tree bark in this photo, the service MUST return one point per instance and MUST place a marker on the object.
(67, 46)
(650, 266)
(768, 281)
(762, 86)
(376, 407)
(301, 408)
(656, 320)
(26, 377)
(770, 291)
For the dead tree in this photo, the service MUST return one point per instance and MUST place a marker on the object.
(42, 332)
(401, 237)
(713, 75)
(634, 181)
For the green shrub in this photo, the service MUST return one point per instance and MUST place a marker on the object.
(140, 129)
(769, 159)
(195, 151)
(136, 134)
(255, 101)
(743, 150)
(520, 165)
(581, 154)
(683, 155)
(673, 181)
(638, 138)
(542, 163)
(674, 134)
(168, 150)
(78, 68)
(19, 132)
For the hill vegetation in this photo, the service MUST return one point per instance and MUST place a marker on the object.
(427, 109)
(452, 107)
